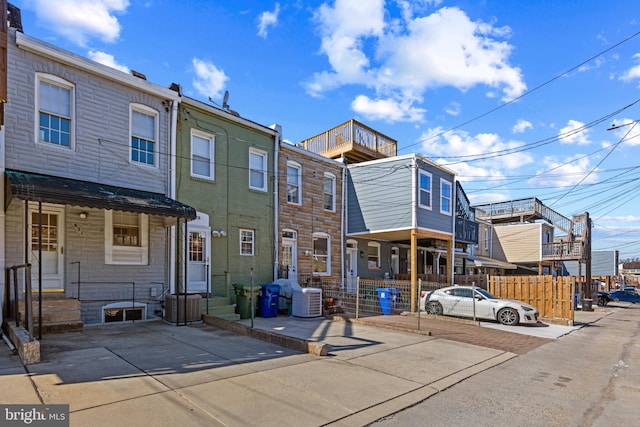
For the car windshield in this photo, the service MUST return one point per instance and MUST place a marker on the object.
(485, 293)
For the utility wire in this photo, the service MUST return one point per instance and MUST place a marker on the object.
(540, 86)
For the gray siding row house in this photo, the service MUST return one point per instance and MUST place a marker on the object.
(88, 196)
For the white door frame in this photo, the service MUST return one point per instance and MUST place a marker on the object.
(352, 265)
(53, 267)
(292, 244)
(200, 225)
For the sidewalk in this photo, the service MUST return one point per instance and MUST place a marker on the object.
(157, 373)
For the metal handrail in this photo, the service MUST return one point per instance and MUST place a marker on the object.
(13, 272)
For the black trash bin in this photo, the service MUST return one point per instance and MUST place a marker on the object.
(269, 296)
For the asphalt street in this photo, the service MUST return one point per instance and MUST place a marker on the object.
(590, 377)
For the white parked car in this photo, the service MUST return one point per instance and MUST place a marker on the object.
(459, 301)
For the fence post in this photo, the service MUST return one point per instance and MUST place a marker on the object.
(357, 296)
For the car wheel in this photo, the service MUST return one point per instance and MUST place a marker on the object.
(508, 316)
(616, 300)
(434, 307)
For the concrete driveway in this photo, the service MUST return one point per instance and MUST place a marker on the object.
(156, 373)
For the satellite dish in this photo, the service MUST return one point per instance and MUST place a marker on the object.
(225, 100)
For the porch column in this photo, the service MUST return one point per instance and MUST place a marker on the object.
(450, 262)
(414, 270)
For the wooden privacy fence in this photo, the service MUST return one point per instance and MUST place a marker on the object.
(552, 296)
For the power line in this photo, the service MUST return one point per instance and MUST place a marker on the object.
(540, 86)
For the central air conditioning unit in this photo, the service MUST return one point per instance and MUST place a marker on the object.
(307, 302)
(174, 308)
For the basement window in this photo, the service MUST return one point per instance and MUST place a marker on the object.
(123, 312)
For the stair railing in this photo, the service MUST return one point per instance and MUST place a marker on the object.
(12, 273)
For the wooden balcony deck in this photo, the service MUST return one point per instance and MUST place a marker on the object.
(353, 140)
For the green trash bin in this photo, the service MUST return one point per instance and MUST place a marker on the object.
(243, 297)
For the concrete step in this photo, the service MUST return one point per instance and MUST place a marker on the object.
(58, 315)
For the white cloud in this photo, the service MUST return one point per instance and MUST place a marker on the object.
(573, 133)
(564, 172)
(521, 126)
(386, 109)
(633, 72)
(625, 128)
(107, 59)
(453, 109)
(471, 154)
(209, 80)
(404, 57)
(266, 20)
(81, 20)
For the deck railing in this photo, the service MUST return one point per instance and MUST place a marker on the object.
(351, 132)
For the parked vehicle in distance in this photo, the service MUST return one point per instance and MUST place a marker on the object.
(460, 300)
(624, 295)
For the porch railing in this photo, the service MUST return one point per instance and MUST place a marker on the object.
(11, 307)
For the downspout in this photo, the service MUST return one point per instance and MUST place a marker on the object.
(454, 205)
(2, 223)
(343, 216)
(171, 164)
(276, 183)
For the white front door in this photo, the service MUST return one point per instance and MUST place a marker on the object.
(289, 258)
(352, 266)
(199, 249)
(48, 251)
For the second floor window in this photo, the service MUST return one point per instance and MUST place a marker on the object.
(294, 180)
(202, 155)
(445, 197)
(424, 192)
(329, 192)
(257, 170)
(143, 135)
(55, 111)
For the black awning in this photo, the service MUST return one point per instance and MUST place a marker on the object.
(52, 189)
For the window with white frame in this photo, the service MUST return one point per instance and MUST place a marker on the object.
(445, 197)
(486, 238)
(55, 110)
(257, 170)
(126, 238)
(294, 183)
(329, 192)
(321, 254)
(202, 155)
(373, 255)
(424, 190)
(144, 135)
(247, 242)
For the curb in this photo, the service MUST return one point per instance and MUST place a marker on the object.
(312, 347)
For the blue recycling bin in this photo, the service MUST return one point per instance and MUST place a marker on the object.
(388, 298)
(269, 296)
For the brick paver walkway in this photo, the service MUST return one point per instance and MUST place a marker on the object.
(455, 330)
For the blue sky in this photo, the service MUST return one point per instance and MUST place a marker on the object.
(515, 96)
